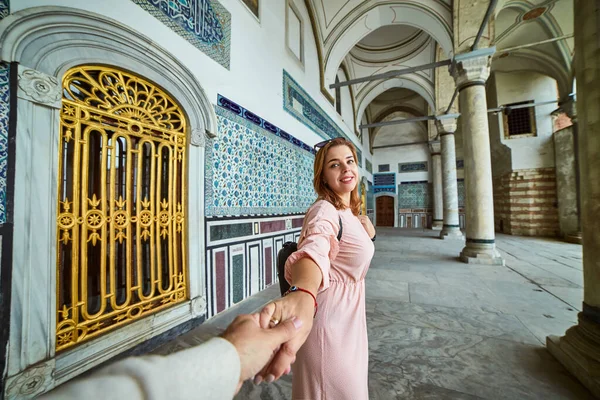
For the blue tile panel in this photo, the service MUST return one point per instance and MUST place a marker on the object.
(298, 103)
(240, 111)
(385, 183)
(4, 114)
(461, 192)
(359, 155)
(460, 164)
(414, 195)
(206, 24)
(412, 167)
(370, 197)
(4, 8)
(253, 171)
(369, 166)
(383, 168)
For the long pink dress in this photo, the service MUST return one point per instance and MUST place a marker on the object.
(333, 362)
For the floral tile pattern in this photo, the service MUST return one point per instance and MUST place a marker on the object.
(414, 195)
(206, 24)
(251, 170)
(4, 113)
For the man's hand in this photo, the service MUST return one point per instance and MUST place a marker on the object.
(255, 345)
(367, 224)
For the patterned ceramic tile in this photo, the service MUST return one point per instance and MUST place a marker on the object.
(251, 170)
(414, 195)
(360, 157)
(461, 192)
(204, 23)
(298, 103)
(369, 166)
(4, 8)
(383, 168)
(460, 164)
(370, 197)
(412, 167)
(385, 183)
(4, 111)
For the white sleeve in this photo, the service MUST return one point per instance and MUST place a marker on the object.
(208, 371)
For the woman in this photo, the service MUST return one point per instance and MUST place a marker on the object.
(327, 279)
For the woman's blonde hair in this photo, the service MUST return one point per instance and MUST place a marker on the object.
(322, 189)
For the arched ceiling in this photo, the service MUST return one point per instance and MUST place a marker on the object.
(520, 22)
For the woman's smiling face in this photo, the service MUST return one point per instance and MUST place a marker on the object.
(340, 172)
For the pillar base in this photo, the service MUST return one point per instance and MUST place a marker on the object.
(451, 233)
(579, 351)
(476, 253)
(574, 237)
(437, 225)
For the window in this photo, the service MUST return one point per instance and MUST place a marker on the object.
(121, 224)
(338, 97)
(383, 167)
(294, 32)
(519, 121)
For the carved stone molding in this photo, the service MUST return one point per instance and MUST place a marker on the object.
(197, 138)
(446, 125)
(199, 306)
(31, 382)
(472, 70)
(40, 88)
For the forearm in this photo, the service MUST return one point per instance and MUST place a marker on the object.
(307, 275)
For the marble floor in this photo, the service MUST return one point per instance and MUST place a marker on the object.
(442, 329)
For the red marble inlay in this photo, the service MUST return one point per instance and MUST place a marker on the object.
(268, 266)
(272, 226)
(220, 285)
(533, 14)
(297, 222)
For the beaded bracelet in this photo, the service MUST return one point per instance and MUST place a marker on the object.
(298, 289)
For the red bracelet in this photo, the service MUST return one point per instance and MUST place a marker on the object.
(298, 289)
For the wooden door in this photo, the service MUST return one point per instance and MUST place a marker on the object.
(385, 211)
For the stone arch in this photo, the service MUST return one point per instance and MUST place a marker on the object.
(44, 43)
(53, 39)
(427, 15)
(412, 82)
(392, 113)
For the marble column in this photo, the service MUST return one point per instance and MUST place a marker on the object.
(579, 349)
(570, 109)
(470, 75)
(438, 202)
(451, 228)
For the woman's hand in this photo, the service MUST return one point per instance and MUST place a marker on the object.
(367, 224)
(297, 304)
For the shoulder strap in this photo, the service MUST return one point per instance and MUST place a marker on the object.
(339, 236)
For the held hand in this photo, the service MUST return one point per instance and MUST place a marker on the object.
(367, 224)
(256, 345)
(297, 304)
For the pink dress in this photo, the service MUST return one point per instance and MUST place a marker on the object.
(333, 363)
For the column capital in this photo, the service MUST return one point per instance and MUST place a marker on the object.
(435, 148)
(446, 125)
(569, 106)
(475, 70)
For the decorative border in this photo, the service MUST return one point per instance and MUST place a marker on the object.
(4, 115)
(208, 13)
(242, 112)
(391, 188)
(413, 167)
(4, 8)
(310, 114)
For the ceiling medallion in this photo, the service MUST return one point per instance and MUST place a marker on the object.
(535, 13)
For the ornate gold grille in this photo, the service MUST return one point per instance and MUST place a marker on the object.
(121, 226)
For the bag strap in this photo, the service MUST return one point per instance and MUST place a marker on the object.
(339, 236)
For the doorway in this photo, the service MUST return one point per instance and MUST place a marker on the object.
(385, 211)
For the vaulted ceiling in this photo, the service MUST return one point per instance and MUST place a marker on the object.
(366, 38)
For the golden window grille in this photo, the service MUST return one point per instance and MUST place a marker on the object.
(121, 225)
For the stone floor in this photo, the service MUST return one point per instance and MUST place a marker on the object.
(441, 329)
